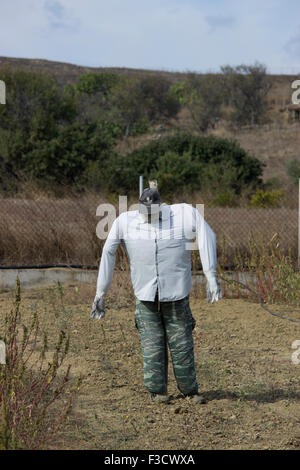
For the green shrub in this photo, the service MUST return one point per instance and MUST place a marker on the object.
(225, 199)
(65, 158)
(187, 161)
(265, 199)
(92, 83)
(140, 126)
(293, 170)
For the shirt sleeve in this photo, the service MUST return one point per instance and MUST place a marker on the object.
(206, 243)
(108, 258)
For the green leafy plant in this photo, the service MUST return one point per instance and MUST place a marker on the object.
(197, 162)
(265, 199)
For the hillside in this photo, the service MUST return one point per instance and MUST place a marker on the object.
(274, 144)
(68, 73)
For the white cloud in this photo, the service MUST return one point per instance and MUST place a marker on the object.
(59, 17)
(292, 47)
(216, 22)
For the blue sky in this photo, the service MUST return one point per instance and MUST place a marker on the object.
(175, 35)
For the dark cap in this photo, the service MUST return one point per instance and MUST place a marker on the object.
(149, 197)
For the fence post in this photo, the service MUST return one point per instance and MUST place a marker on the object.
(299, 226)
(141, 185)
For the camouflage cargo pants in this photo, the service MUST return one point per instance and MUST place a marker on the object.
(163, 324)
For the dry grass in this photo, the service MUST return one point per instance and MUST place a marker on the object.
(35, 396)
(48, 231)
(242, 355)
(63, 231)
(243, 363)
(274, 145)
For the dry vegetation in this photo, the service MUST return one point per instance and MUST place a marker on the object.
(243, 362)
(53, 231)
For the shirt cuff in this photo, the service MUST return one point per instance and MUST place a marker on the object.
(210, 274)
(100, 293)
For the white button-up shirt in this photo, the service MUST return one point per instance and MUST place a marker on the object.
(159, 253)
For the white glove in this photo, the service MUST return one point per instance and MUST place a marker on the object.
(98, 308)
(213, 291)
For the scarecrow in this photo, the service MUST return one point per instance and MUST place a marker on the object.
(157, 239)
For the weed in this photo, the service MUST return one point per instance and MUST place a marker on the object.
(34, 400)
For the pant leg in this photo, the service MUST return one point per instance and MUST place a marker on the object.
(179, 323)
(154, 347)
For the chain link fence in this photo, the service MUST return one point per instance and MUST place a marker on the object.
(63, 231)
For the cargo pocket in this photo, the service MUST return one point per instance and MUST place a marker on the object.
(190, 318)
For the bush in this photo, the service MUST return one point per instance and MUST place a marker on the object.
(246, 87)
(92, 83)
(187, 161)
(62, 159)
(35, 103)
(138, 102)
(203, 97)
(265, 199)
(225, 199)
(293, 170)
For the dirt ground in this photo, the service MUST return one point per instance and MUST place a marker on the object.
(244, 369)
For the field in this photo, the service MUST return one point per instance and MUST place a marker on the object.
(243, 355)
(243, 361)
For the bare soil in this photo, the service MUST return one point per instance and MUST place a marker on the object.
(244, 369)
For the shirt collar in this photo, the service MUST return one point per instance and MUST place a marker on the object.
(165, 214)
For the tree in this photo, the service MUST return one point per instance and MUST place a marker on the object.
(203, 97)
(160, 102)
(35, 103)
(92, 83)
(94, 93)
(142, 101)
(128, 103)
(41, 135)
(247, 87)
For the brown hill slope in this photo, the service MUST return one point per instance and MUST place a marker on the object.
(66, 73)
